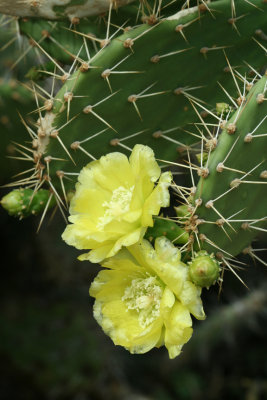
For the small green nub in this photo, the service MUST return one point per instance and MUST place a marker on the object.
(223, 109)
(202, 157)
(12, 202)
(24, 202)
(204, 269)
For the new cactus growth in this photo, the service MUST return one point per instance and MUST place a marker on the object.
(22, 203)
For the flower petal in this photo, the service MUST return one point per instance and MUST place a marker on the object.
(142, 162)
(160, 197)
(190, 297)
(178, 326)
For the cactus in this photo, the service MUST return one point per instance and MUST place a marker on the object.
(63, 42)
(232, 188)
(14, 100)
(54, 9)
(192, 83)
(126, 79)
(24, 202)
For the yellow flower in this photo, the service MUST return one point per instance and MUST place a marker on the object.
(114, 202)
(144, 298)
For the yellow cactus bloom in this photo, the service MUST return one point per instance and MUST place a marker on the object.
(114, 202)
(144, 298)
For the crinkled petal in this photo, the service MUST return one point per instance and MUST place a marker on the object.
(132, 216)
(83, 197)
(170, 270)
(97, 255)
(123, 328)
(166, 251)
(167, 302)
(144, 343)
(160, 197)
(142, 162)
(112, 171)
(143, 252)
(122, 260)
(190, 297)
(126, 241)
(164, 261)
(178, 326)
(77, 237)
(110, 285)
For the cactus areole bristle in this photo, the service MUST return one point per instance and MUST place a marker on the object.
(204, 269)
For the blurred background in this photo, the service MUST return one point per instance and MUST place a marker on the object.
(51, 348)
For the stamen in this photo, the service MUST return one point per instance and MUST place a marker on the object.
(144, 296)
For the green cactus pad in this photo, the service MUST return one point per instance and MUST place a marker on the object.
(233, 194)
(168, 228)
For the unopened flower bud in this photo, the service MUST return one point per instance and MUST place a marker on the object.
(204, 269)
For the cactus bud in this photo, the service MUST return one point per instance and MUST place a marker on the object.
(12, 202)
(204, 269)
(223, 109)
(24, 202)
(202, 157)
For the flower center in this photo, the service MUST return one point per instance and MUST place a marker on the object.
(144, 296)
(118, 205)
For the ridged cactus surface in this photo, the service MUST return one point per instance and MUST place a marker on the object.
(56, 9)
(233, 189)
(139, 88)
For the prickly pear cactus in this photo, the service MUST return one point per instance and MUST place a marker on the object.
(55, 9)
(113, 100)
(24, 202)
(233, 209)
(128, 95)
